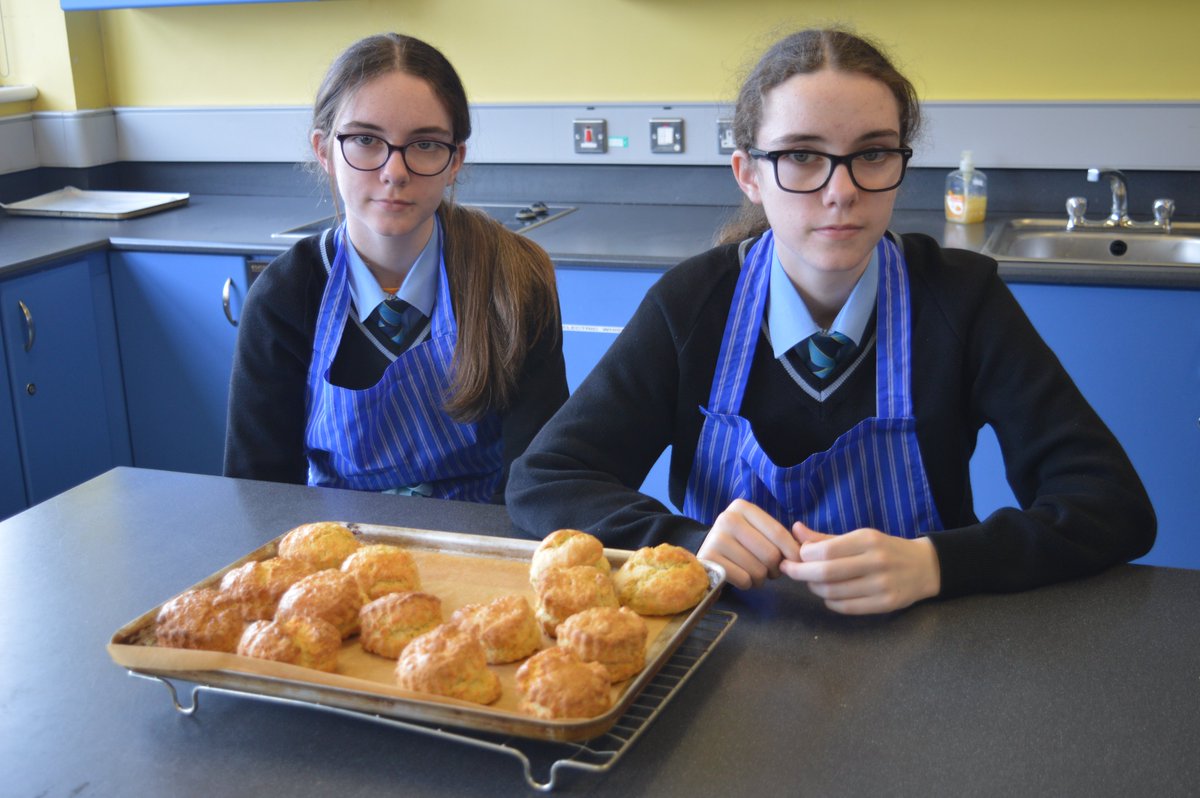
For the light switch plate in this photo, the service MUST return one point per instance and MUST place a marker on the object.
(666, 136)
(591, 136)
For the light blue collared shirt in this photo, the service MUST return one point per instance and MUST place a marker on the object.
(420, 285)
(788, 319)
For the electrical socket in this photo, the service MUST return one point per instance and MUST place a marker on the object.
(725, 143)
(666, 136)
(591, 136)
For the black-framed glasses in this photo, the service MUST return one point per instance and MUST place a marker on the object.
(424, 157)
(806, 171)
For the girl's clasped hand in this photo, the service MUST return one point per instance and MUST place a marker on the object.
(861, 571)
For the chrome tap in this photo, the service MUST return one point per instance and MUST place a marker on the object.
(1163, 209)
(1119, 215)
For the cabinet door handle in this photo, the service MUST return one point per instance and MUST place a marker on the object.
(30, 330)
(225, 301)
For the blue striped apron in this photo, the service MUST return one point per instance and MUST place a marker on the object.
(395, 433)
(872, 475)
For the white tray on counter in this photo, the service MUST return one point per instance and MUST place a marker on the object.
(80, 204)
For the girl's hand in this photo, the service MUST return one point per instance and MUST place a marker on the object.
(865, 571)
(749, 544)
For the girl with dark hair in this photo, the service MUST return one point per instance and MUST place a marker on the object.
(821, 381)
(416, 347)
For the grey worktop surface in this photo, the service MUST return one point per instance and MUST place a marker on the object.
(1084, 688)
(632, 235)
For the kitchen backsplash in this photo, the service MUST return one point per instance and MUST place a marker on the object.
(1033, 191)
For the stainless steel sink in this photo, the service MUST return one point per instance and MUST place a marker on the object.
(1048, 240)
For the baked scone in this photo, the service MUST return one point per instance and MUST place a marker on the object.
(613, 636)
(259, 584)
(447, 662)
(506, 626)
(562, 592)
(380, 568)
(391, 621)
(555, 683)
(662, 580)
(307, 642)
(330, 595)
(202, 619)
(324, 543)
(565, 548)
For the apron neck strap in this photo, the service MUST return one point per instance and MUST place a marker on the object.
(893, 358)
(740, 338)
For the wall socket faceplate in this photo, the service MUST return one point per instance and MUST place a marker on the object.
(666, 136)
(725, 143)
(591, 136)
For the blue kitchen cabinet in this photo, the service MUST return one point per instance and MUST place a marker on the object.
(1135, 355)
(176, 322)
(63, 376)
(12, 477)
(596, 303)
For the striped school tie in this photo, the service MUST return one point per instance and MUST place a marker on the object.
(396, 323)
(822, 352)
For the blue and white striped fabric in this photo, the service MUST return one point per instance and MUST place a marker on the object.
(872, 475)
(395, 434)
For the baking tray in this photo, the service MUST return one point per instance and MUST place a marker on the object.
(459, 568)
(77, 203)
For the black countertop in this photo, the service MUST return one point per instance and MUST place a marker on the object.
(1086, 688)
(626, 235)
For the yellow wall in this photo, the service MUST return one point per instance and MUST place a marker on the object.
(612, 51)
(61, 54)
(36, 34)
(88, 73)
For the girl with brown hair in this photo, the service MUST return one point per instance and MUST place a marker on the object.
(821, 381)
(416, 347)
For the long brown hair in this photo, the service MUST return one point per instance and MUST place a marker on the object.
(802, 53)
(501, 284)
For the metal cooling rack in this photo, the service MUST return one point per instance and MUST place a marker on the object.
(549, 758)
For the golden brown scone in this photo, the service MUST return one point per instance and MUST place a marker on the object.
(258, 585)
(613, 636)
(565, 548)
(390, 622)
(562, 592)
(202, 619)
(307, 642)
(380, 568)
(325, 544)
(506, 626)
(555, 683)
(447, 662)
(330, 595)
(662, 580)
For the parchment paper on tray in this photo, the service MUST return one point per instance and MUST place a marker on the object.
(80, 204)
(459, 569)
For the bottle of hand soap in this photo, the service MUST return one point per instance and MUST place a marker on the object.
(966, 192)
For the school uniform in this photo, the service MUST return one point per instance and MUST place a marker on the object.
(318, 396)
(695, 369)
